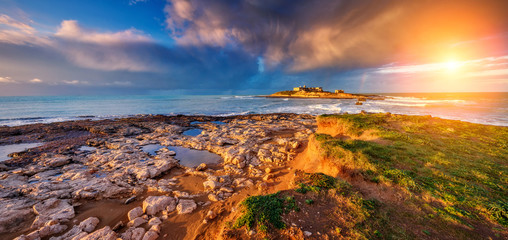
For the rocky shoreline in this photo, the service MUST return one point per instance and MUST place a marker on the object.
(44, 191)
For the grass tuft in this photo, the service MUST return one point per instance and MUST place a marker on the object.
(265, 211)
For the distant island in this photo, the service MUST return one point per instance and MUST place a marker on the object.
(318, 92)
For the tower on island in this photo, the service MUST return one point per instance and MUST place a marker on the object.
(308, 89)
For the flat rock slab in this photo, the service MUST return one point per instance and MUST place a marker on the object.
(186, 206)
(52, 209)
(154, 204)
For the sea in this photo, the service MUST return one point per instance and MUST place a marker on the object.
(484, 108)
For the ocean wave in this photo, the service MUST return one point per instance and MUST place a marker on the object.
(423, 100)
(234, 113)
(239, 97)
(382, 102)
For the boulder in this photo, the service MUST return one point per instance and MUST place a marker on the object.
(154, 204)
(57, 161)
(89, 224)
(156, 228)
(154, 221)
(52, 209)
(210, 185)
(211, 215)
(13, 212)
(134, 213)
(133, 234)
(51, 228)
(104, 233)
(213, 197)
(136, 222)
(150, 235)
(201, 167)
(186, 206)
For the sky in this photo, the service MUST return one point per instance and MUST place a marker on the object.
(95, 47)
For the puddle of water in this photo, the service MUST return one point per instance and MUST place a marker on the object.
(189, 183)
(192, 132)
(192, 158)
(216, 122)
(152, 148)
(8, 149)
(100, 175)
(87, 148)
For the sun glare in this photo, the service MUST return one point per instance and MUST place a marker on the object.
(452, 65)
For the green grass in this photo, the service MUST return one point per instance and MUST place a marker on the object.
(265, 211)
(464, 165)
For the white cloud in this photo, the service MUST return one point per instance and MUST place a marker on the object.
(36, 80)
(10, 22)
(6, 80)
(85, 48)
(70, 29)
(75, 82)
(479, 67)
(20, 33)
(103, 50)
(133, 2)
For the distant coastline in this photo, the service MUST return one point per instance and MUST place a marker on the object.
(318, 92)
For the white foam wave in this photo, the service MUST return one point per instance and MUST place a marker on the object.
(381, 102)
(422, 100)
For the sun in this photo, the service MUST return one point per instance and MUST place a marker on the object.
(452, 65)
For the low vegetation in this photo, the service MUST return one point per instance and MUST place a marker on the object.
(459, 167)
(402, 177)
(264, 212)
(274, 215)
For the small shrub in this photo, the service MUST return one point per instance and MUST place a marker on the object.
(322, 180)
(499, 212)
(265, 210)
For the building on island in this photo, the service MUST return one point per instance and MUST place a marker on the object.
(339, 91)
(308, 89)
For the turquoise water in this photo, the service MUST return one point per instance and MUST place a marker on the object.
(486, 108)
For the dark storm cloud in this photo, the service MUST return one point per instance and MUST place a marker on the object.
(311, 34)
(253, 45)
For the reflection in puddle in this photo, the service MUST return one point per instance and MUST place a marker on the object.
(151, 148)
(8, 149)
(215, 122)
(192, 132)
(187, 157)
(87, 148)
(192, 158)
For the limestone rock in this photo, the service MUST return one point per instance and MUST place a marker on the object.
(186, 206)
(89, 224)
(136, 222)
(154, 221)
(51, 229)
(211, 215)
(134, 213)
(133, 234)
(154, 204)
(104, 233)
(56, 161)
(13, 212)
(213, 197)
(201, 167)
(52, 209)
(211, 185)
(150, 235)
(156, 228)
